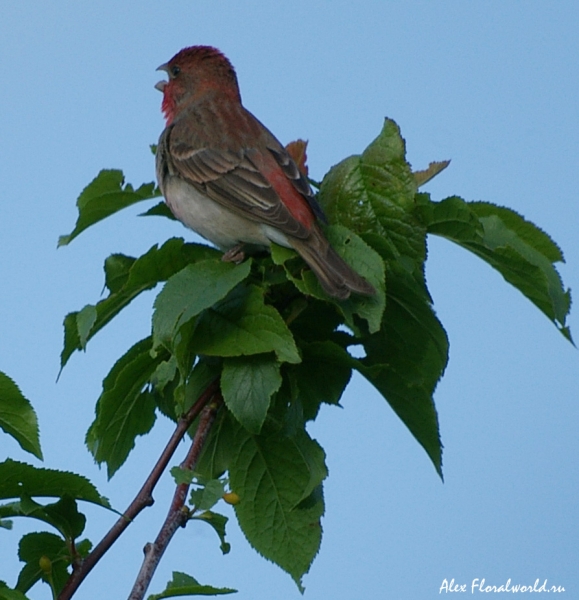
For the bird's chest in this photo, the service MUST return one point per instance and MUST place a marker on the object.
(209, 219)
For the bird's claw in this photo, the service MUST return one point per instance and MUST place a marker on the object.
(235, 255)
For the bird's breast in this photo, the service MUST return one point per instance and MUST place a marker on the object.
(215, 222)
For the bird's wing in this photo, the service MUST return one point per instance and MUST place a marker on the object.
(297, 178)
(249, 181)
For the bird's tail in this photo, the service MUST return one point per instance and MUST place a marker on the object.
(335, 275)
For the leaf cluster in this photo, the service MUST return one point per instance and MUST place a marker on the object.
(279, 347)
(46, 555)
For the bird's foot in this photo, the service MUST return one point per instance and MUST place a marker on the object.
(235, 255)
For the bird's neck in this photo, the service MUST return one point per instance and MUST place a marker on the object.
(209, 97)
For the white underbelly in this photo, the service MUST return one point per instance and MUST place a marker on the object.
(212, 221)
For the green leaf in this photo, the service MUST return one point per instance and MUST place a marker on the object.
(247, 384)
(66, 517)
(164, 374)
(218, 523)
(185, 585)
(406, 359)
(374, 193)
(160, 263)
(123, 411)
(280, 254)
(219, 448)
(105, 195)
(18, 478)
(186, 358)
(85, 319)
(451, 218)
(318, 322)
(518, 249)
(322, 376)
(368, 263)
(362, 258)
(43, 545)
(168, 389)
(63, 515)
(71, 338)
(126, 278)
(515, 230)
(273, 476)
(524, 255)
(242, 324)
(83, 548)
(17, 417)
(208, 495)
(205, 371)
(181, 475)
(117, 269)
(7, 593)
(190, 291)
(159, 210)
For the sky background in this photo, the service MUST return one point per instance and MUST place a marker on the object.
(492, 85)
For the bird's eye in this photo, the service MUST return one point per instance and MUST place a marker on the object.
(175, 70)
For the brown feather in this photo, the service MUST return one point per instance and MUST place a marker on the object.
(335, 275)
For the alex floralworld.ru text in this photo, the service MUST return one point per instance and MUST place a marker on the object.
(479, 585)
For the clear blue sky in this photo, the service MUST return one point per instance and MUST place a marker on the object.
(494, 86)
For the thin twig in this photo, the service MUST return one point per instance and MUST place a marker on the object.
(178, 512)
(142, 500)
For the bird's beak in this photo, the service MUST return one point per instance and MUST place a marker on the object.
(161, 84)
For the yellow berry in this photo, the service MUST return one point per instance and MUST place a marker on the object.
(45, 564)
(231, 498)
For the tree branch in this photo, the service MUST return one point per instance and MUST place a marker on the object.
(143, 499)
(178, 512)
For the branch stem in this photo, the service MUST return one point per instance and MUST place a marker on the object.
(143, 499)
(178, 513)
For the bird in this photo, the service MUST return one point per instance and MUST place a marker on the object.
(226, 176)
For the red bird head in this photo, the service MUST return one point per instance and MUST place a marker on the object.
(194, 72)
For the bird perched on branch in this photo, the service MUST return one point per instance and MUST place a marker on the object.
(227, 177)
